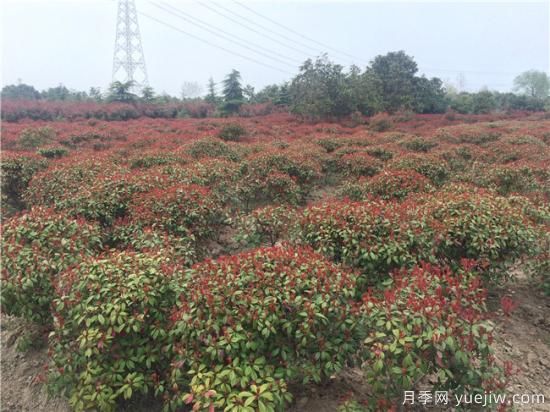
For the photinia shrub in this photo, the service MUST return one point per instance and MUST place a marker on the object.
(239, 385)
(17, 172)
(508, 179)
(539, 265)
(34, 137)
(267, 225)
(359, 164)
(478, 135)
(212, 147)
(354, 189)
(480, 226)
(287, 309)
(418, 144)
(109, 197)
(36, 248)
(66, 179)
(53, 152)
(148, 160)
(256, 190)
(232, 132)
(220, 175)
(374, 236)
(380, 123)
(305, 170)
(143, 239)
(387, 185)
(429, 321)
(105, 197)
(188, 210)
(377, 237)
(432, 167)
(538, 262)
(330, 144)
(110, 330)
(380, 153)
(397, 184)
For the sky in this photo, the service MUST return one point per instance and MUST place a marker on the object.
(470, 44)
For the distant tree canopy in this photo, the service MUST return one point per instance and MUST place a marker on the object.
(321, 90)
(429, 95)
(273, 93)
(20, 91)
(56, 93)
(486, 101)
(95, 94)
(23, 91)
(148, 94)
(121, 92)
(533, 83)
(394, 80)
(190, 90)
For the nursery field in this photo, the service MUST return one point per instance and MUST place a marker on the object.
(267, 264)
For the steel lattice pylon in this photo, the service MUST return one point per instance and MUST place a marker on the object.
(128, 59)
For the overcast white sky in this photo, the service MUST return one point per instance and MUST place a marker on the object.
(45, 42)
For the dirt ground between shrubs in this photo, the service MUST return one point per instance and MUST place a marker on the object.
(523, 338)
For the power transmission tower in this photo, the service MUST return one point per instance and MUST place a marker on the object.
(128, 59)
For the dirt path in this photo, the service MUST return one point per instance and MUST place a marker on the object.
(20, 390)
(523, 338)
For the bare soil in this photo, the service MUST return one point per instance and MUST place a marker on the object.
(522, 338)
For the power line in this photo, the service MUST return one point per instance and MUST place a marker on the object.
(301, 52)
(432, 69)
(297, 33)
(214, 45)
(329, 47)
(265, 28)
(227, 36)
(211, 29)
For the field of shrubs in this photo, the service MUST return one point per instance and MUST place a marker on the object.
(225, 264)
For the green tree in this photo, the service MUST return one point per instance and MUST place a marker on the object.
(533, 83)
(274, 93)
(429, 95)
(57, 93)
(268, 94)
(461, 102)
(232, 93)
(148, 94)
(95, 94)
(394, 76)
(321, 90)
(78, 96)
(248, 93)
(283, 96)
(20, 91)
(190, 90)
(365, 91)
(483, 102)
(121, 92)
(211, 96)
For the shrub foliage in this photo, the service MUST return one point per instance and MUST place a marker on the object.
(273, 314)
(36, 248)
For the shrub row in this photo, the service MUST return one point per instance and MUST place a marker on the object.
(245, 327)
(377, 237)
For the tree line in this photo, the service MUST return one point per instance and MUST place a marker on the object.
(325, 90)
